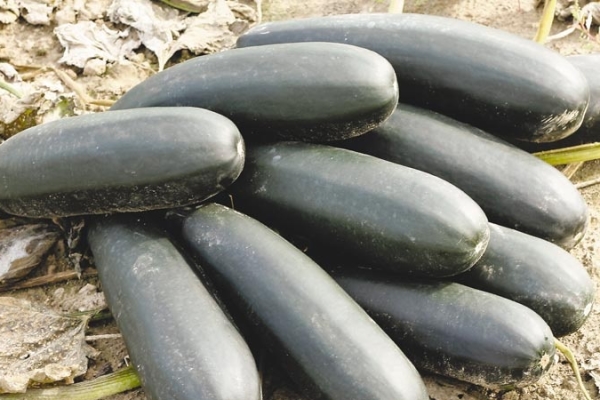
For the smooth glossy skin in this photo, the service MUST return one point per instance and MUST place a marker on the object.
(513, 188)
(299, 91)
(122, 161)
(454, 330)
(537, 274)
(499, 82)
(330, 345)
(180, 341)
(383, 214)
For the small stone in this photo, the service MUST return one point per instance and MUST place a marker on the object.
(94, 67)
(65, 16)
(512, 395)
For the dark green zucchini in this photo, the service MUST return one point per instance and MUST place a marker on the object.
(499, 82)
(588, 64)
(181, 343)
(388, 215)
(328, 343)
(513, 188)
(302, 91)
(537, 274)
(454, 330)
(589, 132)
(130, 160)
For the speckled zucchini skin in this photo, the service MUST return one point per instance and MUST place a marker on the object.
(497, 81)
(454, 330)
(589, 132)
(130, 160)
(181, 343)
(514, 188)
(299, 91)
(383, 214)
(537, 274)
(329, 345)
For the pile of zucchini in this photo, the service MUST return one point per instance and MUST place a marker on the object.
(370, 240)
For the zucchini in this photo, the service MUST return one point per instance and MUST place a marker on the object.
(588, 65)
(497, 81)
(302, 91)
(130, 160)
(328, 343)
(540, 201)
(537, 274)
(181, 343)
(388, 215)
(589, 132)
(454, 330)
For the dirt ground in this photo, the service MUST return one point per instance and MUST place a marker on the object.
(33, 46)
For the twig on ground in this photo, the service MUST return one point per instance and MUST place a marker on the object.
(584, 184)
(44, 280)
(92, 338)
(571, 169)
(85, 99)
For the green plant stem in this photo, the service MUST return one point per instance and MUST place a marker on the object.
(10, 89)
(568, 155)
(546, 21)
(107, 385)
(571, 359)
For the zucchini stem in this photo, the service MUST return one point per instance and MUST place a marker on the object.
(546, 21)
(568, 155)
(571, 359)
(107, 385)
(396, 6)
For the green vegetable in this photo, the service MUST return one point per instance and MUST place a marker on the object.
(180, 341)
(589, 132)
(537, 274)
(131, 160)
(514, 188)
(301, 91)
(504, 84)
(381, 213)
(454, 330)
(325, 340)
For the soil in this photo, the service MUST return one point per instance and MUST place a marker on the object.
(24, 44)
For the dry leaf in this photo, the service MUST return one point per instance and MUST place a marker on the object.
(86, 299)
(9, 11)
(39, 345)
(22, 248)
(85, 40)
(163, 30)
(35, 12)
(155, 26)
(207, 32)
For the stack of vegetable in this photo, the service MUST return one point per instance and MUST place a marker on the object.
(452, 240)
